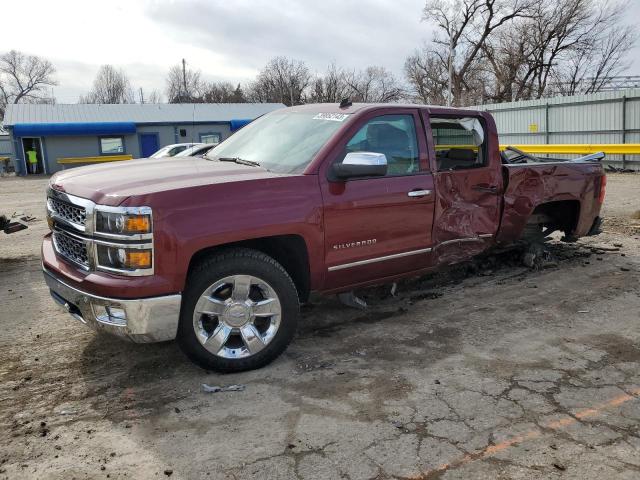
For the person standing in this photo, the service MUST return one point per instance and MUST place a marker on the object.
(32, 157)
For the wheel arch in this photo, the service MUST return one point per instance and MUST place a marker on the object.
(289, 250)
(562, 215)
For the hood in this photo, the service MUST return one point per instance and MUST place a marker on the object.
(112, 183)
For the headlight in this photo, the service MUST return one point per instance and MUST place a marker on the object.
(123, 223)
(115, 230)
(123, 259)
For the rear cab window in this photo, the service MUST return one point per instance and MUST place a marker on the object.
(459, 143)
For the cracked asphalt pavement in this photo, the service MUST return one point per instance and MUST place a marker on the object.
(489, 370)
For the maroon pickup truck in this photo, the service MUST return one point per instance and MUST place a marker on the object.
(219, 252)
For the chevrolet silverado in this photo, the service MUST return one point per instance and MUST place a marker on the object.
(219, 252)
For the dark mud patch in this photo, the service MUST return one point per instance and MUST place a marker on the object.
(330, 329)
(366, 392)
(124, 380)
(618, 348)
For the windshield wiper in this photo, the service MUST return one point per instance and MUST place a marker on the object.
(239, 160)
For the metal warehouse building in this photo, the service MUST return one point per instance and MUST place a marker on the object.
(77, 132)
(611, 117)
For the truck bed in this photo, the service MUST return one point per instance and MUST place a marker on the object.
(570, 184)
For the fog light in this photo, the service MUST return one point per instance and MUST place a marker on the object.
(124, 259)
(138, 259)
(110, 315)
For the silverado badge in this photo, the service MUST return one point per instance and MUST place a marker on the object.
(360, 243)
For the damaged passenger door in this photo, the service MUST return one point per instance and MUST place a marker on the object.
(468, 180)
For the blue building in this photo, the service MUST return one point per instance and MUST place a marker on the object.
(59, 132)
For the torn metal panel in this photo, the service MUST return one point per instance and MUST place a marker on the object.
(530, 185)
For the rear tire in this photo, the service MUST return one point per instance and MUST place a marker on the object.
(239, 312)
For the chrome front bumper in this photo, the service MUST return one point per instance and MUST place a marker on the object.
(142, 320)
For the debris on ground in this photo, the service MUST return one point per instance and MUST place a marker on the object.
(601, 248)
(309, 367)
(537, 256)
(350, 300)
(224, 388)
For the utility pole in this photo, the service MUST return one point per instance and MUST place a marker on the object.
(184, 77)
(451, 53)
(141, 96)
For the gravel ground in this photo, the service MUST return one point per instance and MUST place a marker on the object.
(489, 370)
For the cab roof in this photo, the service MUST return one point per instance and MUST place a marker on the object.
(362, 107)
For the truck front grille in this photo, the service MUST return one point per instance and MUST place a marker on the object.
(71, 213)
(71, 248)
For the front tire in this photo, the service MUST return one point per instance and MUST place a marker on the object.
(239, 312)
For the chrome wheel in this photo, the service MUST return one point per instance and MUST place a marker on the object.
(237, 316)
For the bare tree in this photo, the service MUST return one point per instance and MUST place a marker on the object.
(505, 58)
(184, 85)
(427, 77)
(330, 87)
(374, 84)
(503, 51)
(24, 78)
(465, 27)
(110, 86)
(154, 96)
(222, 92)
(599, 53)
(282, 80)
(239, 95)
(555, 29)
(561, 48)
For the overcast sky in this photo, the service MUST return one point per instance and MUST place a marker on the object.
(226, 40)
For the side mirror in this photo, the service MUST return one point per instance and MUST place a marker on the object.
(361, 164)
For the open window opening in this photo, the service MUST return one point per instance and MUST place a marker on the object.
(459, 143)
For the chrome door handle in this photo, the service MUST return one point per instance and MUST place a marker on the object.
(418, 193)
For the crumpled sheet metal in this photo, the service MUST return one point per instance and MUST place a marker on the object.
(530, 185)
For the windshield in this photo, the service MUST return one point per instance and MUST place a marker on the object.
(160, 153)
(282, 142)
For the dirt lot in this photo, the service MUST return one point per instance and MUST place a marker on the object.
(490, 371)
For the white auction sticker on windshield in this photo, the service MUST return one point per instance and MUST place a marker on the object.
(336, 117)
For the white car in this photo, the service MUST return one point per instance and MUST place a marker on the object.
(197, 150)
(172, 150)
